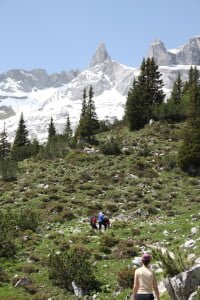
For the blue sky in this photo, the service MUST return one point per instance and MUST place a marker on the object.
(63, 34)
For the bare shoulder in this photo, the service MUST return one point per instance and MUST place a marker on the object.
(138, 270)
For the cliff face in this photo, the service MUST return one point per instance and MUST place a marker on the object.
(182, 286)
(189, 54)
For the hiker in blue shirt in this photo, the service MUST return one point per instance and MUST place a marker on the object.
(100, 219)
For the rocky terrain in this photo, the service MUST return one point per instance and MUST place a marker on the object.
(150, 201)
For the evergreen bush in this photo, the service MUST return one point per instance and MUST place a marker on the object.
(55, 148)
(125, 277)
(7, 234)
(27, 219)
(8, 169)
(73, 265)
(198, 295)
(189, 151)
(172, 264)
(3, 276)
(111, 147)
(109, 240)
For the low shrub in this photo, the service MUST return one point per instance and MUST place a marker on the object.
(125, 249)
(28, 218)
(8, 169)
(29, 269)
(31, 288)
(7, 234)
(170, 162)
(105, 249)
(152, 210)
(125, 277)
(198, 295)
(111, 147)
(55, 148)
(73, 265)
(66, 216)
(3, 276)
(119, 224)
(40, 296)
(172, 264)
(135, 231)
(109, 240)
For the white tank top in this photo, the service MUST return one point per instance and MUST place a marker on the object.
(146, 278)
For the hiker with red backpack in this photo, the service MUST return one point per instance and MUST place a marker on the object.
(93, 222)
(102, 220)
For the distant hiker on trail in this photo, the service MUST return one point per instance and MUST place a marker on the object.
(106, 223)
(102, 220)
(93, 222)
(145, 281)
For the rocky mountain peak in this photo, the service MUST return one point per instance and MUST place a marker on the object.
(160, 54)
(100, 55)
(189, 54)
(158, 43)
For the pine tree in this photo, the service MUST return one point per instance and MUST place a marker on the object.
(4, 145)
(135, 113)
(68, 131)
(145, 95)
(177, 91)
(193, 79)
(174, 109)
(21, 146)
(154, 83)
(51, 129)
(189, 151)
(84, 103)
(88, 123)
(93, 123)
(21, 137)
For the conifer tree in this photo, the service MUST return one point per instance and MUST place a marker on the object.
(88, 123)
(189, 151)
(4, 145)
(84, 103)
(136, 112)
(174, 109)
(93, 123)
(21, 137)
(51, 129)
(68, 130)
(154, 83)
(145, 95)
(21, 147)
(193, 79)
(177, 90)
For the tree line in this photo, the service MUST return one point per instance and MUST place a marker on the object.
(145, 101)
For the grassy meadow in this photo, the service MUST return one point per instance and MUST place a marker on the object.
(150, 201)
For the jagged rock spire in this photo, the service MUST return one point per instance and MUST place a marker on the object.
(100, 55)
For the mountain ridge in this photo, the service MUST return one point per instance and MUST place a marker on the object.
(40, 95)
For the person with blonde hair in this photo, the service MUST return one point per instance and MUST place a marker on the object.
(145, 282)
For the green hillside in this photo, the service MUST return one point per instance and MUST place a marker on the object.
(150, 201)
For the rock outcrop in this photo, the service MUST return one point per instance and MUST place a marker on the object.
(100, 56)
(183, 285)
(35, 79)
(189, 54)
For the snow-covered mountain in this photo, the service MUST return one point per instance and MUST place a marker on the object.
(40, 96)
